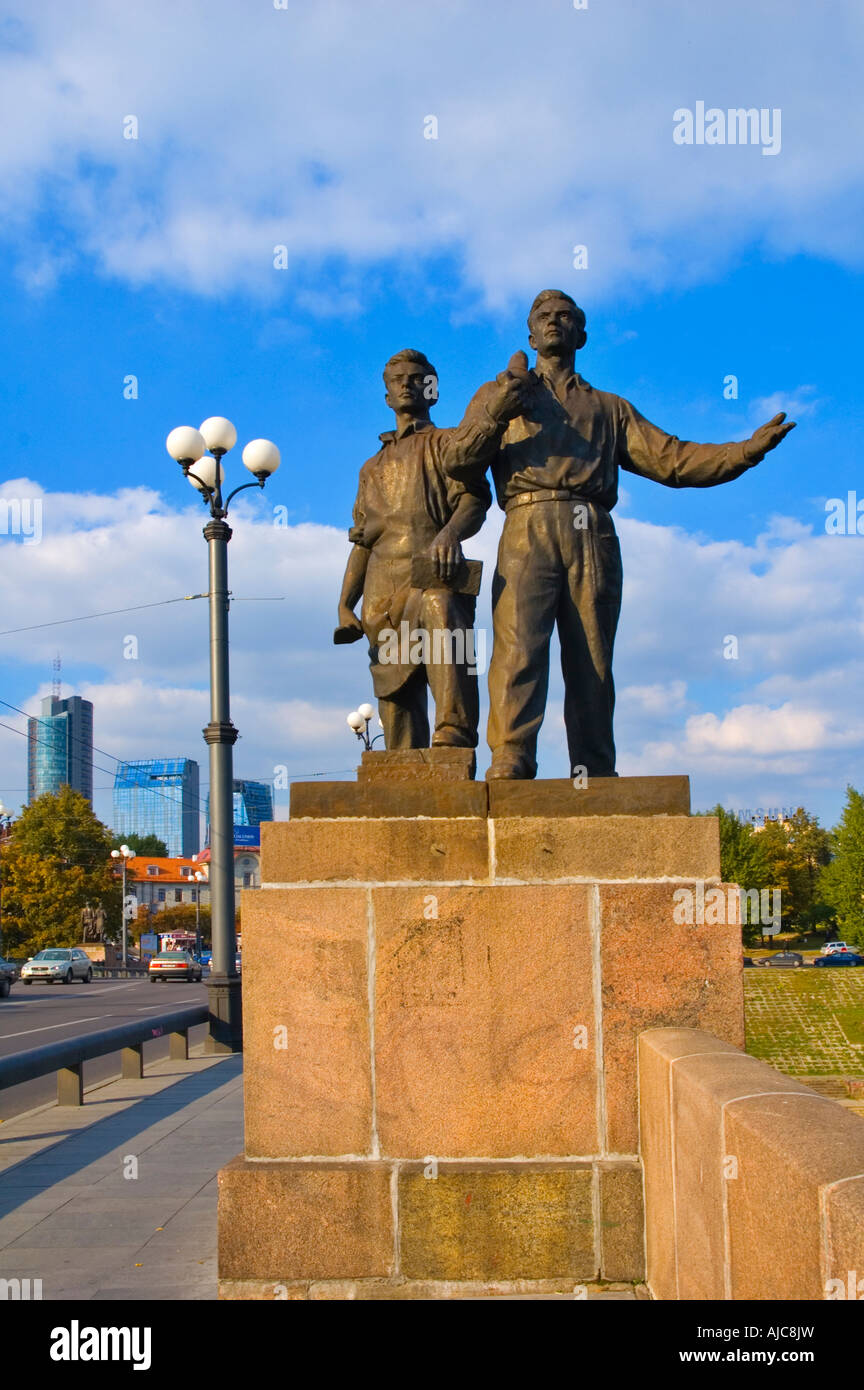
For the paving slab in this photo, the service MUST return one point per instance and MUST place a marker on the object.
(70, 1216)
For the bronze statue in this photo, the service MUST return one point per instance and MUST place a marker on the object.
(93, 923)
(89, 930)
(556, 478)
(410, 518)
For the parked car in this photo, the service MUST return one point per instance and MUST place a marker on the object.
(831, 946)
(58, 966)
(8, 976)
(840, 958)
(748, 962)
(174, 965)
(783, 958)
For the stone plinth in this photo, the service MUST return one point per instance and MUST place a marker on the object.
(101, 952)
(416, 764)
(440, 1024)
(417, 783)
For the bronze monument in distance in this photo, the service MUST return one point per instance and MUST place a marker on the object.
(93, 923)
(410, 518)
(556, 478)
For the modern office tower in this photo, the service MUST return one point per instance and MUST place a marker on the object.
(253, 803)
(159, 797)
(60, 747)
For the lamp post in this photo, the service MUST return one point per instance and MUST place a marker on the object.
(188, 446)
(358, 720)
(199, 879)
(5, 826)
(124, 853)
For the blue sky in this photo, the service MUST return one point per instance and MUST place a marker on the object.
(304, 127)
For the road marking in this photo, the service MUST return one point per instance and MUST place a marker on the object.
(193, 999)
(70, 1022)
(73, 998)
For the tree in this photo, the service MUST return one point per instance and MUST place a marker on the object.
(796, 850)
(148, 845)
(784, 855)
(741, 858)
(180, 917)
(742, 861)
(55, 863)
(841, 883)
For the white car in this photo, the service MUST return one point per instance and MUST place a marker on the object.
(832, 947)
(58, 966)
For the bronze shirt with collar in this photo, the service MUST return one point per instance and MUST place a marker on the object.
(407, 492)
(578, 439)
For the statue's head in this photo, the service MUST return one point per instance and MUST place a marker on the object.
(411, 382)
(556, 324)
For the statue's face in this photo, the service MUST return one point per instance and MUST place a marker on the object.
(407, 388)
(555, 327)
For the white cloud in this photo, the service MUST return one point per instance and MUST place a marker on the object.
(661, 698)
(797, 404)
(780, 724)
(304, 127)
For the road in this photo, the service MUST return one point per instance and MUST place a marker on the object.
(38, 1014)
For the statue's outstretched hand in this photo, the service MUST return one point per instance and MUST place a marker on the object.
(767, 437)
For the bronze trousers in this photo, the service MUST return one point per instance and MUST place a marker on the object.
(550, 574)
(405, 712)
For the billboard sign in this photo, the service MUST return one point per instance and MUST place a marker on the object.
(149, 945)
(247, 836)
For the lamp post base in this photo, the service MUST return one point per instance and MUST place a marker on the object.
(226, 1014)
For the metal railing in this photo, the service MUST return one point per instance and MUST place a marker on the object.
(119, 972)
(67, 1058)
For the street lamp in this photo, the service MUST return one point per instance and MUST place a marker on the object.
(188, 446)
(199, 879)
(5, 830)
(124, 853)
(358, 720)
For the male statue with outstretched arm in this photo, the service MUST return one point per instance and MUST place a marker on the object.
(556, 478)
(410, 518)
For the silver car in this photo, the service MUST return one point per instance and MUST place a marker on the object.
(58, 966)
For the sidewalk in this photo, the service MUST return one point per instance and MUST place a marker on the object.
(74, 1214)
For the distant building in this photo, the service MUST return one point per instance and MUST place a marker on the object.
(253, 803)
(159, 797)
(247, 867)
(60, 747)
(161, 883)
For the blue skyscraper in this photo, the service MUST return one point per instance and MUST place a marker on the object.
(159, 797)
(253, 803)
(60, 747)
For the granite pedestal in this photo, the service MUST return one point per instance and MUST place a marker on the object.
(444, 983)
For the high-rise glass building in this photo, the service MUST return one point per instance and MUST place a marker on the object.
(253, 803)
(159, 797)
(60, 747)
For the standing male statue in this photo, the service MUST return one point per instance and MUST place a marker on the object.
(411, 512)
(556, 478)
